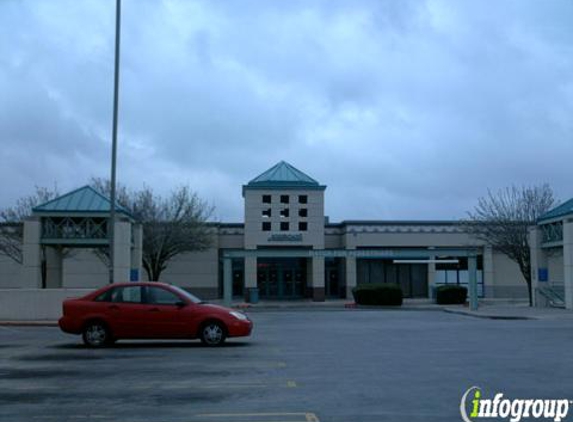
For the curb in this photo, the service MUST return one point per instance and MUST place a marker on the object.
(28, 323)
(489, 316)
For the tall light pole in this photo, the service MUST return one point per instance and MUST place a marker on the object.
(111, 230)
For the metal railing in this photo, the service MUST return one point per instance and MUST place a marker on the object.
(554, 294)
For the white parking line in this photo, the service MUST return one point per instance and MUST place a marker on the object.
(258, 417)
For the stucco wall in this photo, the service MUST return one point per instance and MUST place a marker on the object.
(34, 304)
(508, 280)
(83, 269)
(555, 266)
(255, 236)
(197, 271)
(10, 273)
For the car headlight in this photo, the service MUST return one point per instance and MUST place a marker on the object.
(239, 315)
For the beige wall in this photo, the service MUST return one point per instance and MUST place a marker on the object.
(10, 273)
(255, 236)
(35, 304)
(356, 237)
(508, 280)
(555, 266)
(83, 269)
(199, 269)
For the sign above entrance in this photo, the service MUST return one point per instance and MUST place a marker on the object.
(352, 253)
(285, 238)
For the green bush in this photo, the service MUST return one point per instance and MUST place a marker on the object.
(451, 295)
(382, 294)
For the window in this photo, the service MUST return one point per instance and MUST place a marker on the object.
(104, 297)
(302, 226)
(266, 226)
(267, 212)
(284, 226)
(266, 199)
(284, 213)
(159, 296)
(302, 199)
(284, 199)
(129, 294)
(303, 212)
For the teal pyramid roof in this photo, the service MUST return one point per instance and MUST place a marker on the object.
(82, 200)
(284, 175)
(565, 208)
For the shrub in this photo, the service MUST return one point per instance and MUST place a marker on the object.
(451, 295)
(383, 294)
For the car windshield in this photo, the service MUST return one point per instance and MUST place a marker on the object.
(188, 295)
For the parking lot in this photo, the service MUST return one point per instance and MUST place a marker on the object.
(299, 366)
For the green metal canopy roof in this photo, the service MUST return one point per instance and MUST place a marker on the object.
(284, 175)
(84, 200)
(564, 209)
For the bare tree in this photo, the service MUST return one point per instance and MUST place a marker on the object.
(502, 219)
(12, 219)
(171, 225)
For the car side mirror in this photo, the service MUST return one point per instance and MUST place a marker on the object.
(181, 304)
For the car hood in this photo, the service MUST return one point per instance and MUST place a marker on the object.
(216, 307)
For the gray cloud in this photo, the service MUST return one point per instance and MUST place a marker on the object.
(405, 109)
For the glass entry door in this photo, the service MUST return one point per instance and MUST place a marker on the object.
(281, 278)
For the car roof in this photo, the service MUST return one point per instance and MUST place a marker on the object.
(140, 283)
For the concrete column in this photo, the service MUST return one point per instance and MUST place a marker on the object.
(350, 276)
(122, 251)
(31, 254)
(54, 273)
(227, 281)
(488, 270)
(318, 293)
(568, 262)
(250, 275)
(137, 252)
(538, 260)
(431, 275)
(472, 288)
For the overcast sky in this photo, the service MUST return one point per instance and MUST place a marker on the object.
(404, 109)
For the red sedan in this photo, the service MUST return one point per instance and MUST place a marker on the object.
(149, 311)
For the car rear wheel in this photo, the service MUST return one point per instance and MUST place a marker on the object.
(96, 334)
(213, 334)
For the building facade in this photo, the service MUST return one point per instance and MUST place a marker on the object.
(287, 249)
(551, 243)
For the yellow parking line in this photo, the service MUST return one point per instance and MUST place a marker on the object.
(306, 417)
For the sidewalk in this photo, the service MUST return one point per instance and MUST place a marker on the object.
(515, 311)
(488, 309)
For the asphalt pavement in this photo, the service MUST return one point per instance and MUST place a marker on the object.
(299, 366)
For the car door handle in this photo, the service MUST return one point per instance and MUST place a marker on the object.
(153, 310)
(113, 307)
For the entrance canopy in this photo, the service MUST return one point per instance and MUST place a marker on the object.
(352, 253)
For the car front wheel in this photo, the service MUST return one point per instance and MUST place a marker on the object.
(213, 334)
(96, 334)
